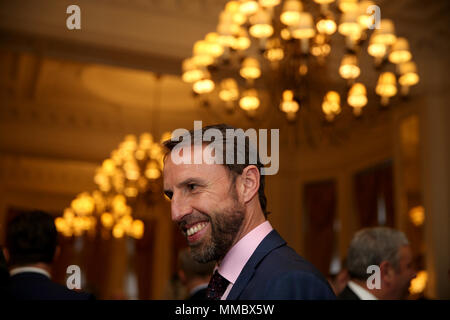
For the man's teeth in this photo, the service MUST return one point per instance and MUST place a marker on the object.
(196, 228)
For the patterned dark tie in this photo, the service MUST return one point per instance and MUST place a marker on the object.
(216, 287)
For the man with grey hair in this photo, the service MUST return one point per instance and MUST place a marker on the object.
(221, 210)
(380, 265)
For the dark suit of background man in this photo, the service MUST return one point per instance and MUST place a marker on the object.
(386, 248)
(221, 209)
(194, 275)
(31, 245)
(4, 276)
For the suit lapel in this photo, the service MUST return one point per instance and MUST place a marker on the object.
(272, 241)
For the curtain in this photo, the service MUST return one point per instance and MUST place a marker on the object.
(370, 186)
(96, 257)
(386, 190)
(144, 259)
(179, 243)
(320, 207)
(366, 198)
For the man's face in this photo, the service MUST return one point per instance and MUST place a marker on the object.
(405, 273)
(205, 205)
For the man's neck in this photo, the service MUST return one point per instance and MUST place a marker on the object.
(38, 265)
(253, 218)
(378, 293)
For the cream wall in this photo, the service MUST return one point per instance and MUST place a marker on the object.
(285, 190)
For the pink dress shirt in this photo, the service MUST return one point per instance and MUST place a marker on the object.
(235, 260)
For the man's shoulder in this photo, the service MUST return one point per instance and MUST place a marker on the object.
(60, 292)
(282, 258)
(288, 258)
(284, 274)
(28, 286)
(285, 261)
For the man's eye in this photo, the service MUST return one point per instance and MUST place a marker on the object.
(191, 186)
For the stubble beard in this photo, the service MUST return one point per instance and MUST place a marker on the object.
(224, 227)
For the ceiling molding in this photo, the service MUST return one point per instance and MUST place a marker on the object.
(45, 175)
(89, 53)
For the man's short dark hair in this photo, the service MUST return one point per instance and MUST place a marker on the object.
(31, 237)
(235, 168)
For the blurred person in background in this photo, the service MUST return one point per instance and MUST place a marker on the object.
(31, 246)
(386, 248)
(4, 276)
(174, 289)
(194, 275)
(338, 281)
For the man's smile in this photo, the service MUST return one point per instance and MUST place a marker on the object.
(196, 231)
(195, 228)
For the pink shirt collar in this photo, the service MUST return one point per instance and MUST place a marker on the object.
(235, 260)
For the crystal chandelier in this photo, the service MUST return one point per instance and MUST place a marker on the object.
(129, 178)
(278, 40)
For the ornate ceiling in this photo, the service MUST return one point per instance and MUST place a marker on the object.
(58, 80)
(134, 32)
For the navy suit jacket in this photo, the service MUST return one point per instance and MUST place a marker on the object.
(276, 272)
(36, 286)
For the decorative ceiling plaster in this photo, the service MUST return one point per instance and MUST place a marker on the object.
(154, 36)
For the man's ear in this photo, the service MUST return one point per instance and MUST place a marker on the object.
(57, 252)
(6, 254)
(249, 181)
(386, 271)
(182, 276)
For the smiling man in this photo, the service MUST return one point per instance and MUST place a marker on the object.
(221, 209)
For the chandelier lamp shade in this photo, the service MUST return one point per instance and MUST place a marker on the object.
(408, 75)
(331, 105)
(249, 101)
(326, 25)
(400, 51)
(289, 105)
(349, 68)
(386, 87)
(250, 69)
(357, 98)
(348, 5)
(261, 24)
(229, 92)
(256, 41)
(290, 15)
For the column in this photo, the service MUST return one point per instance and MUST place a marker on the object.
(435, 138)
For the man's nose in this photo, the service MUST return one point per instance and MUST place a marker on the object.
(180, 207)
